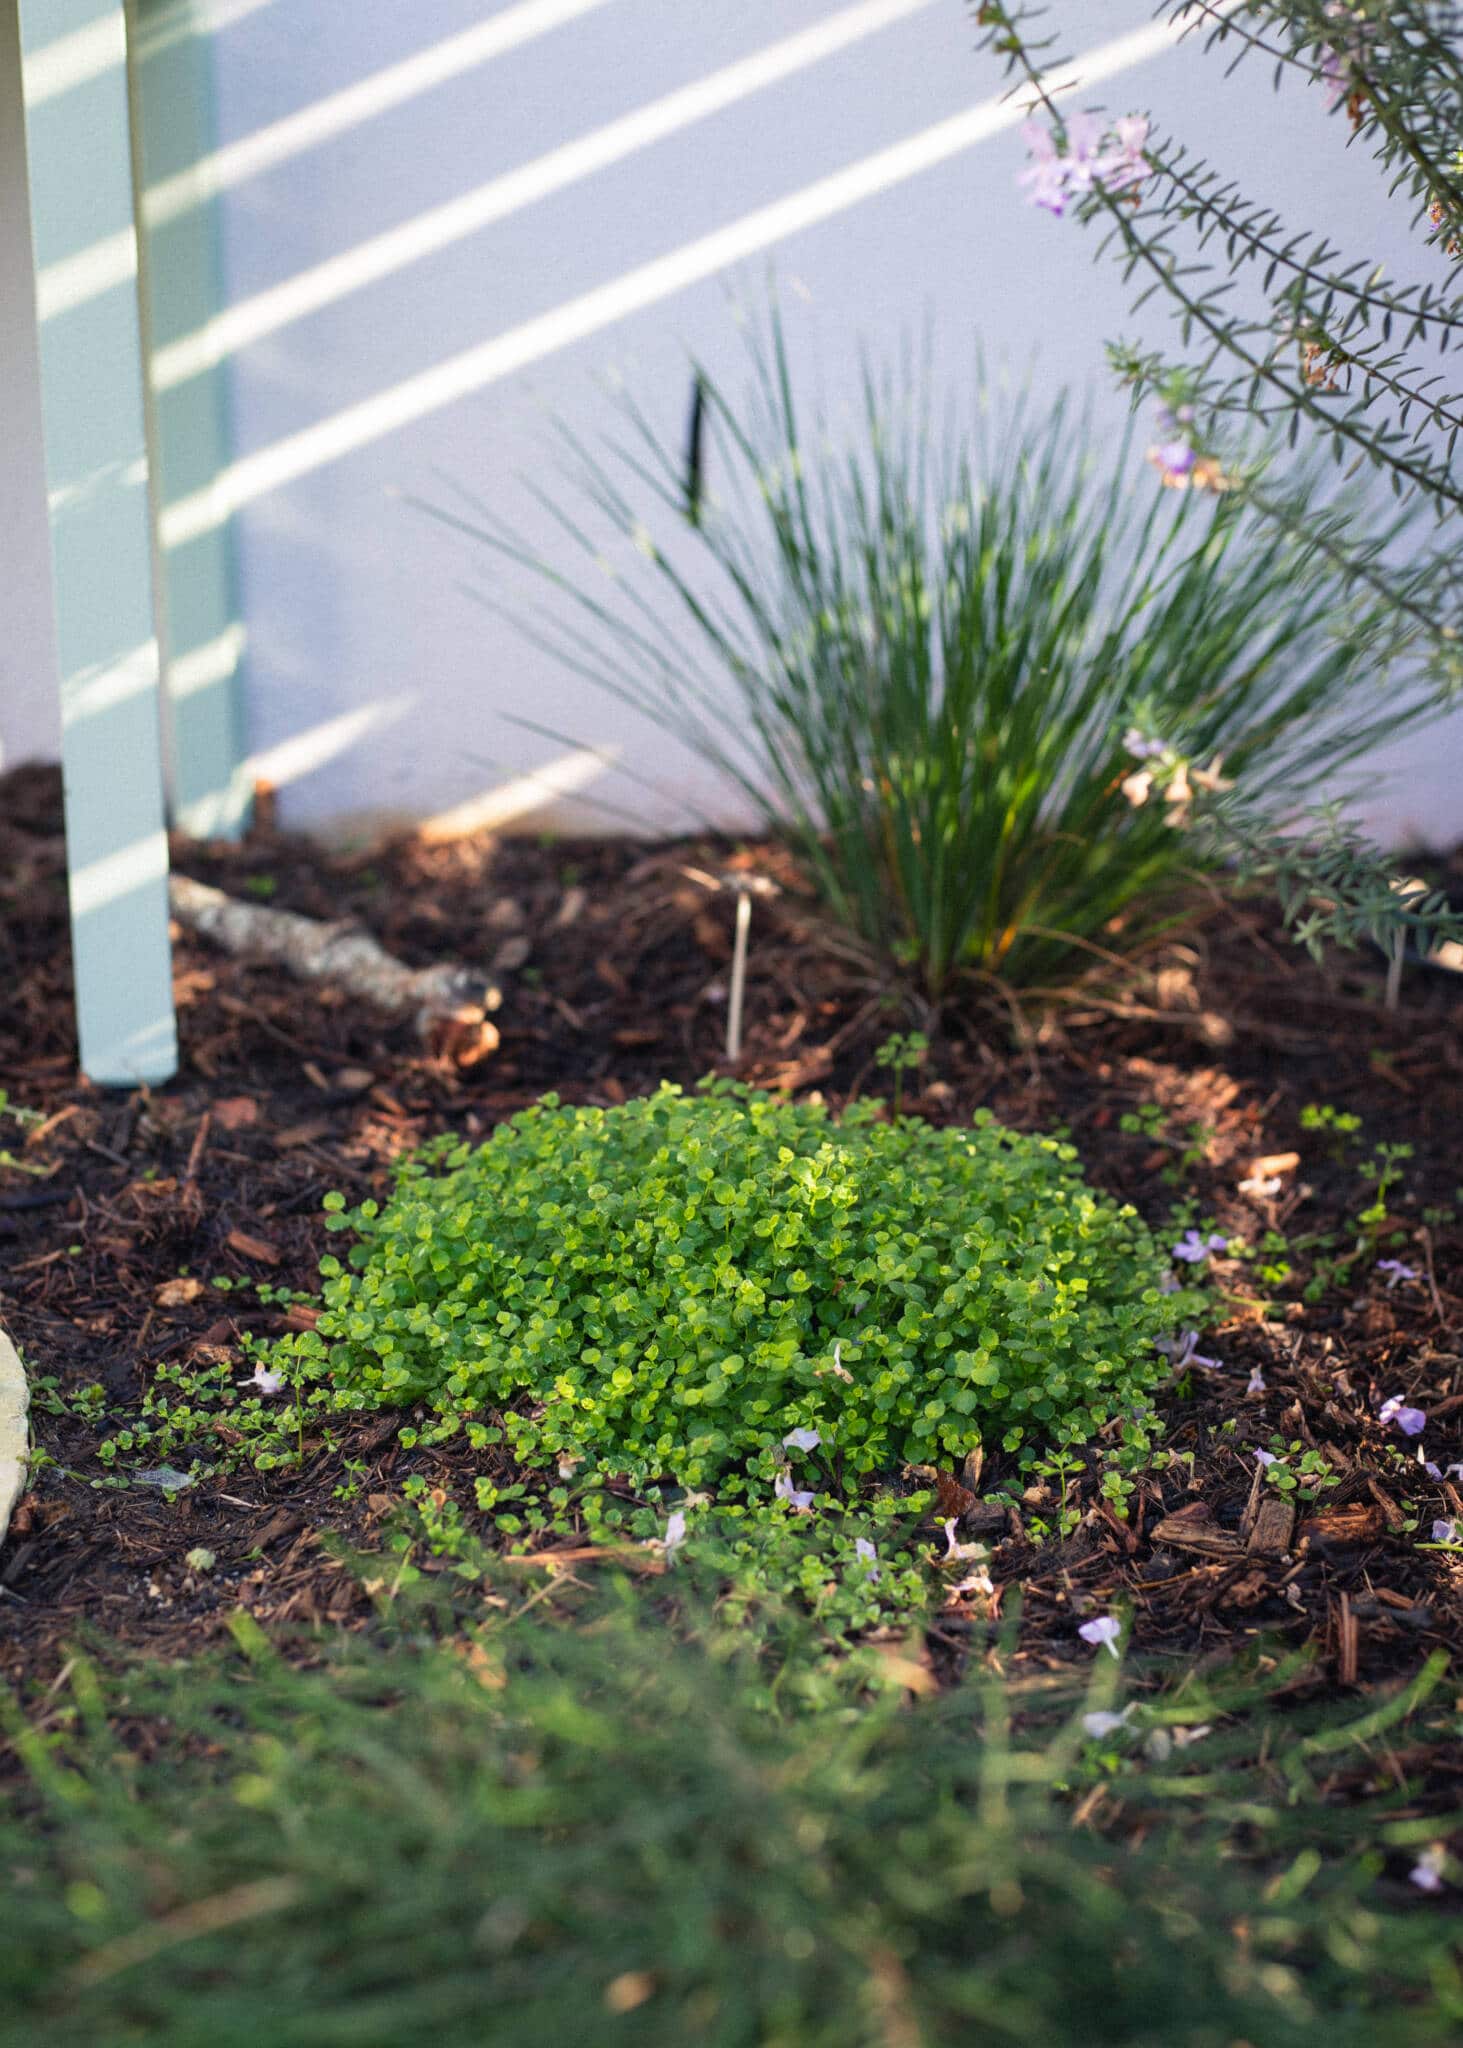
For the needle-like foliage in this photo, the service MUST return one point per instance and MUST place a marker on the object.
(604, 1834)
(1273, 322)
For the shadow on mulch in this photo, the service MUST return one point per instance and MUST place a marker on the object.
(614, 962)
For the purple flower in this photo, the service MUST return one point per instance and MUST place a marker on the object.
(1093, 158)
(1266, 1458)
(1126, 165)
(1193, 1248)
(1174, 458)
(1044, 180)
(801, 1440)
(1103, 1629)
(264, 1381)
(1335, 64)
(1411, 1421)
(1395, 1271)
(1256, 1383)
(1141, 747)
(959, 1550)
(1427, 1872)
(865, 1550)
(1445, 1532)
(782, 1486)
(1183, 1352)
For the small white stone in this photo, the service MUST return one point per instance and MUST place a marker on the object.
(14, 1436)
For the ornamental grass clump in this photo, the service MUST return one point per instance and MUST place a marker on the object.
(912, 653)
(730, 1291)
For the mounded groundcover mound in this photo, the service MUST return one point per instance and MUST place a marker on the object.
(669, 1288)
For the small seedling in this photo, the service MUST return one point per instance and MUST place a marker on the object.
(901, 1053)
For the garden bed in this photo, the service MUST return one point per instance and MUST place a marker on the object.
(121, 1212)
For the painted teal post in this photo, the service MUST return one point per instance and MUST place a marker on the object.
(202, 637)
(82, 224)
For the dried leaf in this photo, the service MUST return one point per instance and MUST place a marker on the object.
(907, 1663)
(951, 1498)
(1270, 1163)
(236, 1112)
(1194, 1529)
(177, 1293)
(630, 1989)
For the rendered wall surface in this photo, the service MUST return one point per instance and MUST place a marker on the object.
(441, 222)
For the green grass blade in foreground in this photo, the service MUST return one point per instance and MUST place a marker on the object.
(552, 1832)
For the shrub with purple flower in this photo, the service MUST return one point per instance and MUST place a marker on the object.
(1096, 153)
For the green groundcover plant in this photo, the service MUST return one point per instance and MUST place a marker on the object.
(729, 1290)
(917, 657)
(606, 1832)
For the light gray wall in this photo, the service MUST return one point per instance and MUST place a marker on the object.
(30, 721)
(373, 685)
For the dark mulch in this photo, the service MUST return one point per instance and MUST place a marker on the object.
(614, 962)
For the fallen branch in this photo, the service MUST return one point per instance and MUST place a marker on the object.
(448, 1004)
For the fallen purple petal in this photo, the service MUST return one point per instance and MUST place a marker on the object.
(1183, 1351)
(264, 1381)
(1411, 1421)
(1193, 1248)
(1103, 1629)
(782, 1486)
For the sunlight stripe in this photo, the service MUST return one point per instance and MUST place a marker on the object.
(201, 667)
(96, 690)
(97, 883)
(326, 118)
(358, 426)
(74, 280)
(75, 59)
(382, 255)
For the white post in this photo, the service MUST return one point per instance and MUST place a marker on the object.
(85, 241)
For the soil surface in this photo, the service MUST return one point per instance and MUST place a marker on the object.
(614, 962)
